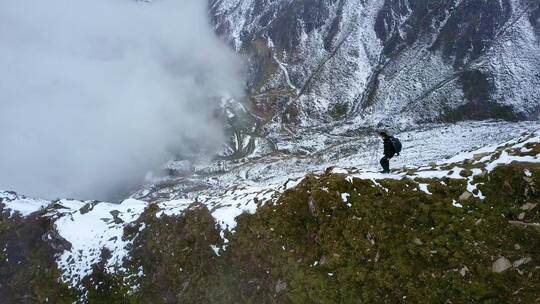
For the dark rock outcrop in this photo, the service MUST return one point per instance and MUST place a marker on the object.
(28, 270)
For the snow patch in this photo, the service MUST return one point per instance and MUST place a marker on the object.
(25, 206)
(424, 188)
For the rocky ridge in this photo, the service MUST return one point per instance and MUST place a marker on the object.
(466, 229)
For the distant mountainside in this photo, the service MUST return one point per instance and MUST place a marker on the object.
(390, 62)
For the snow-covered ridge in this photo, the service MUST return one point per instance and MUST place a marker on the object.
(90, 226)
(20, 204)
(467, 165)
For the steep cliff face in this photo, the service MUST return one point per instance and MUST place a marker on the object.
(322, 61)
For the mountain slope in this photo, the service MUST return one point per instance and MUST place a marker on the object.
(322, 61)
(466, 229)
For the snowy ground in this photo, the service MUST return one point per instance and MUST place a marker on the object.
(316, 151)
(243, 185)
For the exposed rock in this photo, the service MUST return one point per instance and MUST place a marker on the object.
(463, 271)
(528, 206)
(88, 207)
(311, 206)
(501, 265)
(524, 224)
(521, 261)
(465, 196)
(466, 173)
(281, 286)
(528, 179)
(116, 218)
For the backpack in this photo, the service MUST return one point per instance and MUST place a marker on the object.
(396, 143)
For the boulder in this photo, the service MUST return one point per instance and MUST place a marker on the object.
(521, 261)
(465, 196)
(501, 265)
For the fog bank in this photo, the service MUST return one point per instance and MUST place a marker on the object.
(95, 93)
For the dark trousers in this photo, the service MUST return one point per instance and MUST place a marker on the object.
(385, 163)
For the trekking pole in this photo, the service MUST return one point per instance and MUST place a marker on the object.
(372, 153)
(375, 150)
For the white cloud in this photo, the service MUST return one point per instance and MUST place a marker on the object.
(94, 93)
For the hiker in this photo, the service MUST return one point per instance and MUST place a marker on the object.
(392, 146)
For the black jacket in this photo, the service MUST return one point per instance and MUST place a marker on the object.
(389, 150)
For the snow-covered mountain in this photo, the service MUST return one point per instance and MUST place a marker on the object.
(294, 209)
(462, 229)
(388, 62)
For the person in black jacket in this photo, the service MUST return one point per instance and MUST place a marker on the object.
(389, 152)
